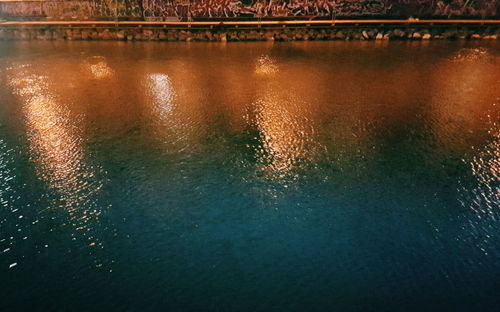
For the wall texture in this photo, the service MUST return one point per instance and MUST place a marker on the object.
(184, 10)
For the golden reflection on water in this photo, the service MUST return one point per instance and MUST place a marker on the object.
(463, 90)
(470, 54)
(173, 107)
(178, 100)
(56, 144)
(99, 67)
(266, 65)
(160, 89)
(283, 133)
(280, 115)
(464, 110)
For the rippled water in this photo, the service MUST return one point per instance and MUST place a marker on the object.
(249, 177)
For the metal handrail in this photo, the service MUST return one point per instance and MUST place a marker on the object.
(249, 23)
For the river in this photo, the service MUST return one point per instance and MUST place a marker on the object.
(305, 176)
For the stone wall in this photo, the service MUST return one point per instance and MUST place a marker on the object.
(257, 34)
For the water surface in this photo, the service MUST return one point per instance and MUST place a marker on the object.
(318, 176)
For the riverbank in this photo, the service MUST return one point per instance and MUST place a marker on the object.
(254, 31)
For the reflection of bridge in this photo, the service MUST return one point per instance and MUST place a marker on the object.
(209, 10)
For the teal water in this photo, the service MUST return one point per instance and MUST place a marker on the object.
(249, 177)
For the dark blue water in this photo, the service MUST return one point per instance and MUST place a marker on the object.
(249, 177)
